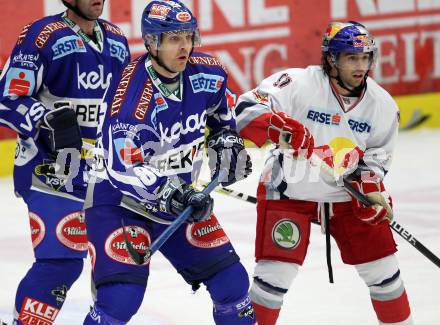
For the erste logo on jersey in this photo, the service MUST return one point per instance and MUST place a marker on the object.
(19, 82)
(360, 127)
(38, 230)
(206, 234)
(324, 118)
(118, 50)
(68, 45)
(71, 231)
(116, 248)
(206, 82)
(36, 312)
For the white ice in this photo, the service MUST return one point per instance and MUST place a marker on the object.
(414, 182)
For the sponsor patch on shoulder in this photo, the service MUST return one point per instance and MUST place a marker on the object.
(19, 82)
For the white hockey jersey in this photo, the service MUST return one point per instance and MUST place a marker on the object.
(369, 124)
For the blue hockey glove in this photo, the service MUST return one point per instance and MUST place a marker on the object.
(226, 151)
(64, 131)
(175, 196)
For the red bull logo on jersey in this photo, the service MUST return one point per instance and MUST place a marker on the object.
(116, 248)
(68, 45)
(71, 231)
(19, 82)
(206, 82)
(206, 234)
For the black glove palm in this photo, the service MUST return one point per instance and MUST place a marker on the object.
(226, 151)
(175, 196)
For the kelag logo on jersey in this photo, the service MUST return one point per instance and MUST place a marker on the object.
(68, 45)
(206, 82)
(117, 50)
(20, 82)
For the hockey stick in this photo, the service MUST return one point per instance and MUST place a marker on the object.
(141, 258)
(405, 234)
(417, 118)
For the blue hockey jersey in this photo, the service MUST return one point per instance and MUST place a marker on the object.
(150, 133)
(53, 60)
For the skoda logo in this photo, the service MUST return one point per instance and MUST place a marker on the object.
(285, 234)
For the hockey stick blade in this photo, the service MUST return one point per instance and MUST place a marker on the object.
(136, 256)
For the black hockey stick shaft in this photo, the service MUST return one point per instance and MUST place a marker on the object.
(140, 258)
(405, 234)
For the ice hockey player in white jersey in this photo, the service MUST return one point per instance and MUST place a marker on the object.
(51, 89)
(349, 122)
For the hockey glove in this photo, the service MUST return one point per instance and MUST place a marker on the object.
(64, 131)
(175, 196)
(226, 151)
(374, 190)
(284, 130)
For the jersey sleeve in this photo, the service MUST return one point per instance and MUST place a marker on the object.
(380, 147)
(254, 108)
(220, 113)
(20, 82)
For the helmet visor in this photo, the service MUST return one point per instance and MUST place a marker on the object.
(361, 61)
(174, 39)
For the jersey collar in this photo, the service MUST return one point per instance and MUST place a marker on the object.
(175, 95)
(99, 45)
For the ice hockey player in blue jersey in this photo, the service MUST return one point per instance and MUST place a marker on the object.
(50, 94)
(153, 139)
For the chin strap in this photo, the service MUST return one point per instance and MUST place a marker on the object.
(356, 91)
(76, 10)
